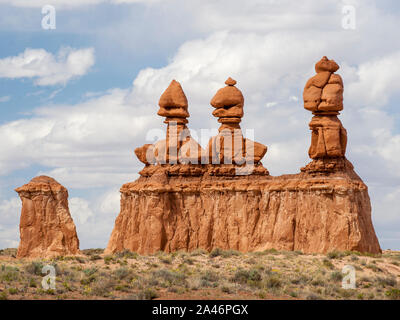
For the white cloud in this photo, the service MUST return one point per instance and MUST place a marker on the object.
(68, 4)
(10, 211)
(80, 210)
(46, 68)
(110, 202)
(5, 99)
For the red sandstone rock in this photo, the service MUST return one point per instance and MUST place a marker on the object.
(229, 146)
(46, 227)
(240, 206)
(179, 146)
(246, 213)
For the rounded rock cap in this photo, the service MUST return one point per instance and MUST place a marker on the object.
(228, 96)
(173, 96)
(326, 65)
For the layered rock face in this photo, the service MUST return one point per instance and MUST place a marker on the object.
(246, 213)
(216, 204)
(46, 227)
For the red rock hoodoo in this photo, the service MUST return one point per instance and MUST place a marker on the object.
(46, 227)
(182, 204)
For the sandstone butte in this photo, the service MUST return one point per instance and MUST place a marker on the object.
(187, 198)
(185, 203)
(46, 226)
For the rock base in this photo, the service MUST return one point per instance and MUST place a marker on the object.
(313, 213)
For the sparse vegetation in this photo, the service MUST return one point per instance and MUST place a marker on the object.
(198, 274)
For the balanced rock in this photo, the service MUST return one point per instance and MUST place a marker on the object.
(46, 226)
(179, 146)
(229, 146)
(323, 95)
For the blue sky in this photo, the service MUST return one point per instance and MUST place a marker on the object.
(90, 95)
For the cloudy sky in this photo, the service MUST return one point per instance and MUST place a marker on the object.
(76, 100)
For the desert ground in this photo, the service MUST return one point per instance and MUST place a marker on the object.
(202, 275)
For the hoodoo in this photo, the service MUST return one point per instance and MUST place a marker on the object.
(46, 226)
(223, 197)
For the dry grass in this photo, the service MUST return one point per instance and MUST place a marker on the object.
(220, 274)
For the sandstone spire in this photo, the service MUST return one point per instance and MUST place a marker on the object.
(323, 96)
(178, 147)
(229, 146)
(46, 227)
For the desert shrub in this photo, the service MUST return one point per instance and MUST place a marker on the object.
(108, 259)
(102, 287)
(122, 273)
(188, 261)
(302, 279)
(80, 259)
(9, 274)
(244, 276)
(198, 252)
(374, 267)
(318, 282)
(32, 283)
(328, 264)
(3, 295)
(336, 276)
(265, 252)
(127, 254)
(11, 252)
(92, 252)
(354, 258)
(12, 291)
(335, 254)
(313, 296)
(170, 277)
(90, 271)
(35, 268)
(209, 276)
(393, 294)
(387, 281)
(273, 282)
(227, 289)
(346, 293)
(166, 259)
(147, 294)
(215, 253)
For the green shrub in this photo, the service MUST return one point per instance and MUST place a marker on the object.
(336, 276)
(335, 255)
(273, 282)
(244, 276)
(210, 276)
(393, 294)
(387, 281)
(35, 268)
(198, 252)
(122, 273)
(148, 294)
(12, 291)
(171, 277)
(127, 254)
(328, 264)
